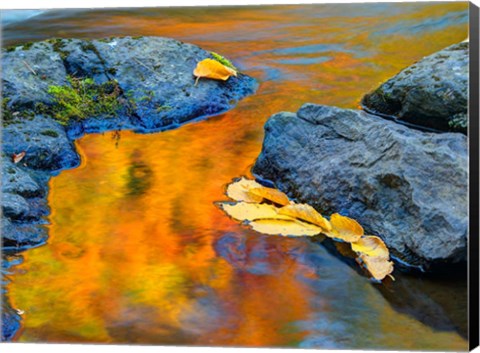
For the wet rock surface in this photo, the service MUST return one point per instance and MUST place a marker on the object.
(154, 77)
(44, 142)
(431, 93)
(405, 185)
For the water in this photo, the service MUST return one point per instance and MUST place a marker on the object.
(138, 253)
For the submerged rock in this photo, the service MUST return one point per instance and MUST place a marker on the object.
(405, 185)
(432, 93)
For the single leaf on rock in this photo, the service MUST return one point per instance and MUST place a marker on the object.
(271, 194)
(244, 211)
(240, 190)
(17, 157)
(209, 68)
(372, 246)
(307, 213)
(379, 267)
(345, 228)
(284, 227)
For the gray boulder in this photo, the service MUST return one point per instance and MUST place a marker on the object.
(28, 71)
(18, 237)
(45, 142)
(17, 180)
(154, 75)
(14, 206)
(407, 186)
(432, 93)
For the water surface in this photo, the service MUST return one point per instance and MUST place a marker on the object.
(138, 252)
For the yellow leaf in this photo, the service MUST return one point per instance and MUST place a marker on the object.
(379, 267)
(345, 228)
(240, 190)
(244, 211)
(270, 194)
(209, 68)
(306, 213)
(284, 227)
(372, 246)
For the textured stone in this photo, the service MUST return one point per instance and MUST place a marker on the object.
(407, 186)
(432, 93)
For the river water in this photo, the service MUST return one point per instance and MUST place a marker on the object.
(138, 253)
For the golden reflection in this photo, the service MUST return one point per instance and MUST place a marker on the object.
(139, 253)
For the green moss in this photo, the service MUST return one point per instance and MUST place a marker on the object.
(223, 60)
(163, 108)
(459, 122)
(51, 133)
(57, 45)
(84, 99)
(27, 46)
(149, 95)
(7, 115)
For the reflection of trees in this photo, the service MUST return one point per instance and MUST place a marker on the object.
(139, 175)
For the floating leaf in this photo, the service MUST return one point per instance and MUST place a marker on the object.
(209, 68)
(240, 190)
(345, 228)
(303, 220)
(244, 211)
(372, 246)
(307, 213)
(16, 158)
(379, 267)
(270, 194)
(284, 227)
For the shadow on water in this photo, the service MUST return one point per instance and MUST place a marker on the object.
(412, 294)
(439, 300)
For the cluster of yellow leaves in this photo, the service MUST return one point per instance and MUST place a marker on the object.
(270, 211)
(209, 68)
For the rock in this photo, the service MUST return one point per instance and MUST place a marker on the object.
(431, 93)
(17, 237)
(10, 322)
(45, 142)
(405, 185)
(14, 206)
(17, 180)
(24, 88)
(157, 73)
(154, 76)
